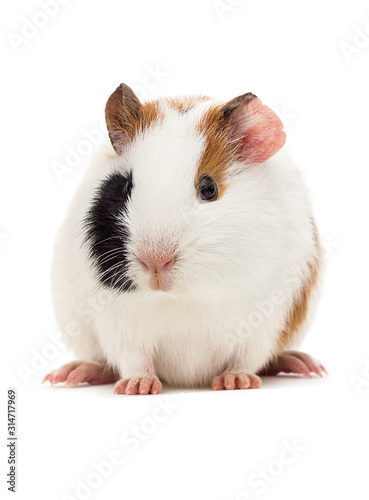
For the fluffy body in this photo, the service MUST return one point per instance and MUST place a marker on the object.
(244, 261)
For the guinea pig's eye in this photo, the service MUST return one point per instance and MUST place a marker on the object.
(208, 188)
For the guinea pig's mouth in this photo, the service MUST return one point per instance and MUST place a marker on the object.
(158, 270)
(159, 281)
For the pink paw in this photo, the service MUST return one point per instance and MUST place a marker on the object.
(231, 380)
(77, 372)
(294, 362)
(138, 385)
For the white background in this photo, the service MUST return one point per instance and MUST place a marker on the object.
(307, 61)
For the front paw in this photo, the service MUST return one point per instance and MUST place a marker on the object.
(232, 379)
(149, 384)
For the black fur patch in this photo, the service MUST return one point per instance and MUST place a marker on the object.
(106, 237)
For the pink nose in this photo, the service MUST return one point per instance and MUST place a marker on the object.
(155, 263)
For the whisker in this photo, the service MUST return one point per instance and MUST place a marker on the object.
(111, 268)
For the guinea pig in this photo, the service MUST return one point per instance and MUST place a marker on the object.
(189, 253)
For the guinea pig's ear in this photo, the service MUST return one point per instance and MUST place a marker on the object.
(123, 114)
(256, 126)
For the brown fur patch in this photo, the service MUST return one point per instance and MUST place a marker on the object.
(299, 309)
(150, 114)
(184, 104)
(219, 150)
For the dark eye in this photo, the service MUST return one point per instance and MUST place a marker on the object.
(208, 188)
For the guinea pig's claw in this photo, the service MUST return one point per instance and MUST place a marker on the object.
(232, 379)
(149, 384)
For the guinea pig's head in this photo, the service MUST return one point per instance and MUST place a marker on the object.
(172, 214)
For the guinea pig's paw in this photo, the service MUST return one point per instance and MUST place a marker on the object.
(231, 380)
(149, 384)
(77, 372)
(294, 362)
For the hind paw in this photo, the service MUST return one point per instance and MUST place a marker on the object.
(78, 372)
(294, 362)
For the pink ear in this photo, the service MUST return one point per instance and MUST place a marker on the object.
(258, 127)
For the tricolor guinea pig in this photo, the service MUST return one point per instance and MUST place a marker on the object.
(189, 254)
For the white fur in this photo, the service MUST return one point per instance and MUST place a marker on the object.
(237, 255)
